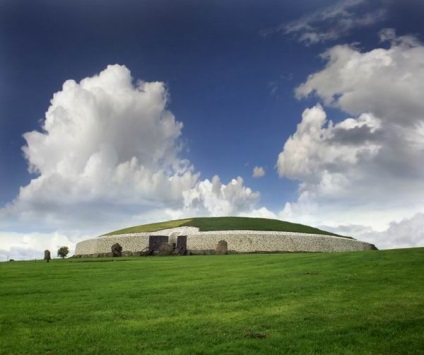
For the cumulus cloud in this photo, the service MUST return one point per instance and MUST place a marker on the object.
(329, 158)
(333, 22)
(110, 153)
(409, 232)
(386, 82)
(319, 146)
(406, 233)
(258, 172)
(349, 170)
(107, 138)
(216, 199)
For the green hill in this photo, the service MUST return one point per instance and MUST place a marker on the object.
(226, 223)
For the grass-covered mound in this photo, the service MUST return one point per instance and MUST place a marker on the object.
(344, 303)
(226, 223)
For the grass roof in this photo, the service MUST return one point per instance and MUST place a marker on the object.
(226, 223)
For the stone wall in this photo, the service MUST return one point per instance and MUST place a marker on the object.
(102, 245)
(238, 241)
(254, 241)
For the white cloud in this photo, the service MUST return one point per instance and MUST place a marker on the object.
(320, 147)
(334, 22)
(408, 232)
(109, 155)
(212, 198)
(386, 82)
(258, 172)
(106, 138)
(365, 169)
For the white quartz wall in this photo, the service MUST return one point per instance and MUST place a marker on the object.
(238, 241)
(253, 241)
(103, 244)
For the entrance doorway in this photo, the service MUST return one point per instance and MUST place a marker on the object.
(181, 245)
(156, 241)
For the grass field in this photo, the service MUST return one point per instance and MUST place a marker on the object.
(206, 224)
(337, 303)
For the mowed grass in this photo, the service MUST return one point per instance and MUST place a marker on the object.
(337, 303)
(206, 224)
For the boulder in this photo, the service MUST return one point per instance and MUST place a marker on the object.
(116, 250)
(166, 249)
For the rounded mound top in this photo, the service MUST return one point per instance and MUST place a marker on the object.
(206, 224)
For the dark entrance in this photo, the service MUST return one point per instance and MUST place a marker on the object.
(155, 242)
(181, 245)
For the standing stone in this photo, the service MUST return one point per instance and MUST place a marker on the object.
(222, 247)
(47, 255)
(116, 250)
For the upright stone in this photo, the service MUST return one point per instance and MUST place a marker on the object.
(47, 255)
(116, 250)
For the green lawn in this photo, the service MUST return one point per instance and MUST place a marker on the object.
(226, 223)
(337, 303)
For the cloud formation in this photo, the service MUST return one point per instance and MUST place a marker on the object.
(212, 198)
(406, 233)
(106, 138)
(348, 170)
(386, 82)
(333, 22)
(258, 172)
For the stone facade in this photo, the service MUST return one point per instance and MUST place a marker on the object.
(238, 242)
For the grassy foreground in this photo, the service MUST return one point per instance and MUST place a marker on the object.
(206, 224)
(338, 303)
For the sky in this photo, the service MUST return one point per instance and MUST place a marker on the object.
(120, 113)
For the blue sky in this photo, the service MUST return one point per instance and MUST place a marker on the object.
(117, 113)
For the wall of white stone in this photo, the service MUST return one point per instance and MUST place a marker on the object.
(103, 244)
(238, 241)
(253, 241)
